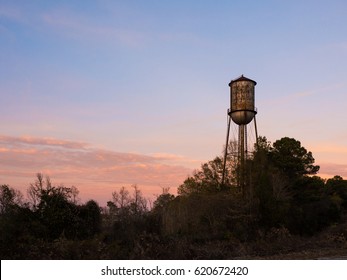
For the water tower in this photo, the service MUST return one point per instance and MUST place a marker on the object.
(242, 111)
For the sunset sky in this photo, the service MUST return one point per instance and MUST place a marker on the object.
(103, 94)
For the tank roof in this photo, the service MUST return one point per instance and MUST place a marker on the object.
(242, 78)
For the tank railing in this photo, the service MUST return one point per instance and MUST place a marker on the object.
(254, 110)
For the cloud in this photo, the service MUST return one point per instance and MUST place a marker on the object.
(329, 170)
(296, 96)
(69, 23)
(88, 168)
(46, 141)
(81, 27)
(176, 159)
(330, 149)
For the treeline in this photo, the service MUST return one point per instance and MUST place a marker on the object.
(29, 229)
(280, 202)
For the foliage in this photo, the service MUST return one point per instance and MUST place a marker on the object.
(89, 220)
(208, 217)
(124, 204)
(162, 201)
(206, 180)
(9, 199)
(126, 218)
(337, 188)
(286, 195)
(291, 158)
(50, 215)
(42, 189)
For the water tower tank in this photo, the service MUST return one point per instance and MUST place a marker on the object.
(242, 109)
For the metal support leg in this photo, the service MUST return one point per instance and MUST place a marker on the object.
(256, 132)
(226, 149)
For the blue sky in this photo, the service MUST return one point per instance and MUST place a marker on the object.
(150, 78)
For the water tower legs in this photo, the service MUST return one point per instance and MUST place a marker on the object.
(226, 149)
(256, 131)
(242, 174)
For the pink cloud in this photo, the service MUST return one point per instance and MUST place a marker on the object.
(329, 170)
(331, 149)
(10, 140)
(89, 169)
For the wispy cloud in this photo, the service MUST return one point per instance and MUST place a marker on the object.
(328, 170)
(72, 24)
(296, 96)
(328, 148)
(82, 165)
(45, 141)
(176, 159)
(80, 27)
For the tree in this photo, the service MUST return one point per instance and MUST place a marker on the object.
(337, 187)
(55, 207)
(163, 200)
(263, 145)
(18, 224)
(128, 216)
(90, 219)
(292, 159)
(9, 198)
(124, 204)
(57, 213)
(43, 187)
(285, 195)
(73, 193)
(36, 189)
(139, 203)
(206, 180)
(264, 169)
(121, 199)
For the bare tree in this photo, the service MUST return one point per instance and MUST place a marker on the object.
(43, 186)
(122, 198)
(9, 197)
(139, 202)
(37, 188)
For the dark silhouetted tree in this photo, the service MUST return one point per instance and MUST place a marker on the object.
(337, 188)
(285, 194)
(55, 206)
(292, 159)
(9, 199)
(90, 219)
(206, 180)
(162, 200)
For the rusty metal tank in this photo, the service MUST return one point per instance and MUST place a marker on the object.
(242, 109)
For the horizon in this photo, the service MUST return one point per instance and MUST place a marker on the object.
(104, 159)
